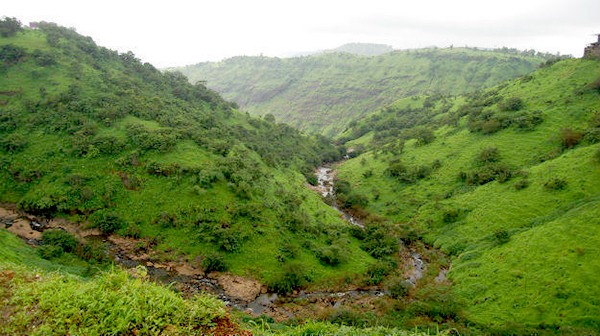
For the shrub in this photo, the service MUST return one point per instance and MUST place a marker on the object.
(214, 262)
(511, 104)
(399, 288)
(50, 251)
(92, 251)
(569, 138)
(521, 184)
(377, 272)
(107, 222)
(380, 241)
(13, 143)
(556, 183)
(332, 255)
(348, 317)
(501, 236)
(11, 54)
(355, 200)
(293, 277)
(57, 242)
(488, 155)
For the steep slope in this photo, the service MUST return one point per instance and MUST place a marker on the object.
(507, 182)
(323, 93)
(98, 137)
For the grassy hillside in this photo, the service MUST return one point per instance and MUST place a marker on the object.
(324, 92)
(507, 182)
(104, 140)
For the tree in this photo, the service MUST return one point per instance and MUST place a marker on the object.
(10, 26)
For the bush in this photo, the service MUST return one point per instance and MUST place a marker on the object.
(556, 183)
(501, 236)
(399, 288)
(380, 241)
(13, 143)
(107, 222)
(56, 242)
(214, 262)
(92, 251)
(569, 138)
(332, 255)
(293, 277)
(50, 251)
(11, 54)
(511, 104)
(9, 26)
(521, 184)
(488, 155)
(377, 272)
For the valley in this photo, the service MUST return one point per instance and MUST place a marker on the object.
(444, 191)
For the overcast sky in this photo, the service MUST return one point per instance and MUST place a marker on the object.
(177, 32)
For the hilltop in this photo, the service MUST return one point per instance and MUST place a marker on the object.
(323, 93)
(505, 181)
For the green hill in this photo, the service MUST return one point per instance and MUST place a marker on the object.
(507, 182)
(324, 92)
(364, 49)
(98, 137)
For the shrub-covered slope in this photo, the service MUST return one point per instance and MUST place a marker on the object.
(507, 181)
(323, 93)
(99, 137)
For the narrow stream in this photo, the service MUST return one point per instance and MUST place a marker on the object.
(325, 178)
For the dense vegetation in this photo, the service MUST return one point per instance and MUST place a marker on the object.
(42, 297)
(107, 141)
(322, 93)
(505, 181)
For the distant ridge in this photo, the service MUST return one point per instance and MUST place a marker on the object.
(363, 49)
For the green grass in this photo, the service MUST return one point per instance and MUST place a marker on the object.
(523, 259)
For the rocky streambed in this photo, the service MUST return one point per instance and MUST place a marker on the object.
(238, 292)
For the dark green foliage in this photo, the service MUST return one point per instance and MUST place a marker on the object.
(348, 317)
(108, 222)
(521, 184)
(56, 242)
(438, 303)
(93, 251)
(214, 263)
(501, 236)
(355, 200)
(294, 276)
(405, 174)
(488, 168)
(10, 26)
(379, 240)
(424, 135)
(511, 104)
(555, 183)
(332, 255)
(399, 288)
(13, 142)
(377, 272)
(488, 155)
(569, 138)
(43, 58)
(11, 54)
(50, 251)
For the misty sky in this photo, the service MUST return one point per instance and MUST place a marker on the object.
(176, 32)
